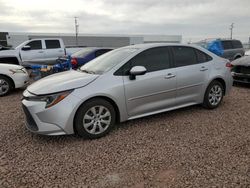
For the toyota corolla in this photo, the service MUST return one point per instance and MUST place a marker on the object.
(124, 84)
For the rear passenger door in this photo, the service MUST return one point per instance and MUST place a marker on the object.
(53, 49)
(192, 72)
(154, 91)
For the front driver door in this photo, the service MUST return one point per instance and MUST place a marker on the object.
(154, 91)
(36, 52)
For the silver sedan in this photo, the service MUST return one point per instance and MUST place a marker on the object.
(124, 84)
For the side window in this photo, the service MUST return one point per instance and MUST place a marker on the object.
(101, 52)
(202, 57)
(184, 56)
(52, 44)
(35, 45)
(154, 59)
(227, 45)
(237, 44)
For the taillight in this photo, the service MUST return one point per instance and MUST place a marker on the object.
(74, 61)
(229, 65)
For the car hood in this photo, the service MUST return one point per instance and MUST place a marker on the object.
(243, 61)
(61, 82)
(9, 66)
(8, 53)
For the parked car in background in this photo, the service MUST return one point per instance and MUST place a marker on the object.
(124, 84)
(247, 52)
(233, 49)
(11, 77)
(35, 51)
(241, 70)
(84, 55)
(230, 49)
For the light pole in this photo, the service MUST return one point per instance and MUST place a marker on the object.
(231, 30)
(77, 30)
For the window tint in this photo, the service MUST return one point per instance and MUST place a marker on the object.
(227, 45)
(35, 45)
(202, 57)
(51, 44)
(152, 59)
(100, 52)
(184, 56)
(237, 44)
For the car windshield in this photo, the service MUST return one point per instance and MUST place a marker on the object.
(107, 61)
(82, 53)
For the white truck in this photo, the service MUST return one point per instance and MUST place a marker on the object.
(35, 51)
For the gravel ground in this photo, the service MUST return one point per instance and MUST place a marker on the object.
(191, 147)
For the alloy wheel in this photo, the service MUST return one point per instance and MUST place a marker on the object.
(4, 86)
(215, 95)
(96, 120)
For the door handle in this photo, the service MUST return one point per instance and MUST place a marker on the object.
(60, 50)
(203, 69)
(40, 52)
(170, 75)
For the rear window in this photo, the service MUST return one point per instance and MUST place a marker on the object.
(82, 53)
(102, 51)
(52, 44)
(227, 45)
(237, 44)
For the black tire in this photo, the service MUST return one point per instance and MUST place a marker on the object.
(85, 111)
(7, 84)
(207, 98)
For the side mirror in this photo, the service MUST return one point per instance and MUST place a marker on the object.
(136, 71)
(26, 48)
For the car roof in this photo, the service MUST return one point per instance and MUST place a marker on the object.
(151, 45)
(146, 46)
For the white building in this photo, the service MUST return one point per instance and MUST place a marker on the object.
(89, 40)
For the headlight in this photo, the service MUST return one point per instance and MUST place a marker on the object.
(51, 99)
(14, 71)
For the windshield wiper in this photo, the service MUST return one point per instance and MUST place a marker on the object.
(87, 71)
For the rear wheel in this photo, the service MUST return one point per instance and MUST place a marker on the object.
(214, 95)
(95, 118)
(5, 85)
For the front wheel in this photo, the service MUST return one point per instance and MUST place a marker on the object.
(95, 118)
(5, 86)
(213, 95)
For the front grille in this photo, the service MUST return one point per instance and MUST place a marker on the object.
(31, 124)
(242, 69)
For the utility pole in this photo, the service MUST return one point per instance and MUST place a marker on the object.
(77, 30)
(231, 29)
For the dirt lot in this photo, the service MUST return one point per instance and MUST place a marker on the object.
(191, 147)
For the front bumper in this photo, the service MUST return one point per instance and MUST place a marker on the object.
(21, 80)
(56, 120)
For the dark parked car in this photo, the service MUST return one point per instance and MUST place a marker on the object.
(233, 49)
(241, 70)
(230, 49)
(85, 55)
